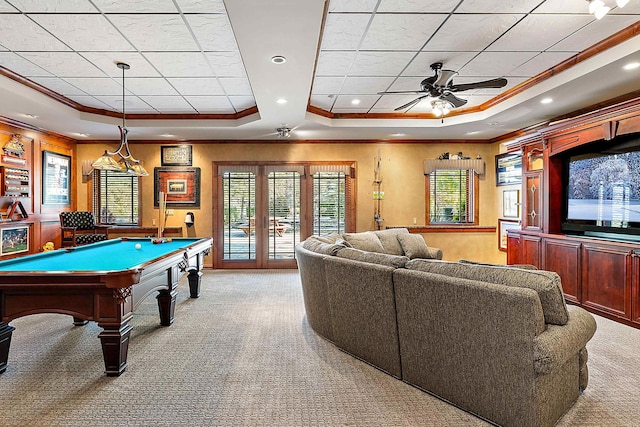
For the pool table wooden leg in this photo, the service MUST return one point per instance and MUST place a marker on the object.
(194, 282)
(115, 347)
(167, 306)
(5, 343)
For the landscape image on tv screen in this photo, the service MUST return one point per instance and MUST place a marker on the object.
(604, 189)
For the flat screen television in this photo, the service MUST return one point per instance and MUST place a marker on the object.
(602, 190)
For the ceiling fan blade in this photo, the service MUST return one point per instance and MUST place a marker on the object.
(493, 83)
(410, 104)
(401, 91)
(444, 77)
(453, 100)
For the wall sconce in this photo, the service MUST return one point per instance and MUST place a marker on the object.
(188, 219)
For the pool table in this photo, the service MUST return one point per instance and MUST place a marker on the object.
(103, 282)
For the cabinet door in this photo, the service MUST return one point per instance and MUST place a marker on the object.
(513, 249)
(530, 250)
(563, 257)
(606, 279)
(532, 217)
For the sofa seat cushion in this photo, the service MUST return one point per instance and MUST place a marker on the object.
(545, 283)
(389, 240)
(365, 241)
(414, 246)
(320, 245)
(373, 257)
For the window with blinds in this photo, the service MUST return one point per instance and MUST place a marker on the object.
(115, 198)
(451, 196)
(329, 202)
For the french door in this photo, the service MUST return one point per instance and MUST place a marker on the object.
(261, 211)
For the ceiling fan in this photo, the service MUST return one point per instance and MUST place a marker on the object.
(441, 86)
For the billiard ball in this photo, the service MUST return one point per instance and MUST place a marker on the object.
(138, 245)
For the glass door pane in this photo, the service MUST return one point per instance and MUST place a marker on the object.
(283, 221)
(329, 202)
(239, 207)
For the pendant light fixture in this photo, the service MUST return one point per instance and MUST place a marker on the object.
(123, 161)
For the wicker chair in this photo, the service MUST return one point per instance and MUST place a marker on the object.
(80, 228)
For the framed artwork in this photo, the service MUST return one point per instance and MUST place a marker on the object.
(181, 186)
(176, 155)
(56, 178)
(511, 203)
(503, 226)
(14, 240)
(508, 169)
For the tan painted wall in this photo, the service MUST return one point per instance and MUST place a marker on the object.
(402, 176)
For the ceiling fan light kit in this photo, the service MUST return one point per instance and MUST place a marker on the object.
(440, 87)
(599, 9)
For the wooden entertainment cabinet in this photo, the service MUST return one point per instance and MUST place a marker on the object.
(603, 276)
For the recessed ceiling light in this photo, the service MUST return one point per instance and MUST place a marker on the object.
(631, 66)
(546, 101)
(31, 116)
(493, 123)
(84, 135)
(281, 101)
(399, 134)
(473, 132)
(167, 135)
(355, 101)
(278, 59)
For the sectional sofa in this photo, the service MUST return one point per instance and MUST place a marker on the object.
(497, 341)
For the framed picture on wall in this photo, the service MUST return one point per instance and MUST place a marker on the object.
(176, 155)
(14, 240)
(511, 203)
(508, 168)
(181, 186)
(56, 178)
(503, 226)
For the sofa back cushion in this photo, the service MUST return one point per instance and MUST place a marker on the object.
(365, 241)
(373, 257)
(321, 246)
(389, 240)
(545, 283)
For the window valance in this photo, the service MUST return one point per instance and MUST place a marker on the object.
(477, 165)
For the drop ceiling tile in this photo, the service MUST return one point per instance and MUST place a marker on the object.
(57, 6)
(421, 64)
(343, 31)
(366, 102)
(495, 64)
(631, 8)
(327, 85)
(136, 6)
(63, 64)
(201, 6)
(380, 63)
(180, 64)
(407, 83)
(365, 85)
(350, 110)
(241, 103)
(149, 86)
(334, 63)
(6, 7)
(226, 64)
(58, 85)
(84, 32)
(400, 31)
(475, 100)
(132, 104)
(352, 5)
(498, 6)
(3, 48)
(90, 101)
(19, 33)
(155, 32)
(107, 61)
(563, 6)
(540, 63)
(213, 32)
(211, 104)
(21, 66)
(431, 6)
(390, 102)
(197, 86)
(322, 101)
(97, 86)
(169, 104)
(539, 32)
(470, 32)
(594, 32)
(235, 86)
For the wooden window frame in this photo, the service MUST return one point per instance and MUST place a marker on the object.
(476, 204)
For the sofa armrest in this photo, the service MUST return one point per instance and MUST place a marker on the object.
(557, 344)
(436, 253)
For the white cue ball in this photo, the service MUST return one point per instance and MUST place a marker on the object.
(138, 245)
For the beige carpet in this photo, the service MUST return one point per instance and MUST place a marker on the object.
(243, 355)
